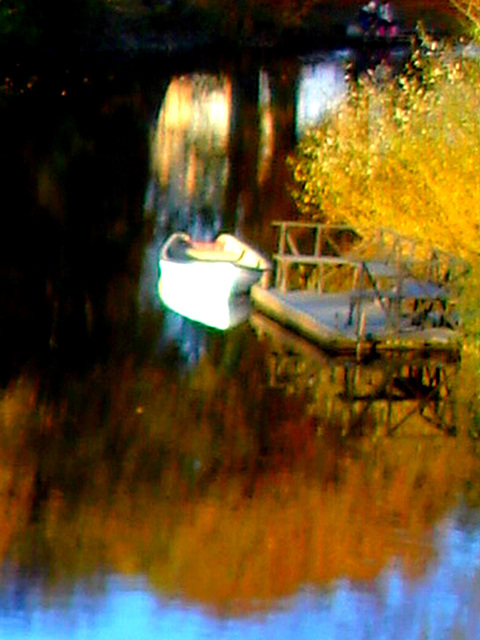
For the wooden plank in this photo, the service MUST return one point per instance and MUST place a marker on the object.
(301, 318)
(422, 290)
(377, 268)
(310, 259)
(323, 320)
(312, 225)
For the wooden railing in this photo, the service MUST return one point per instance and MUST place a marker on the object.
(304, 243)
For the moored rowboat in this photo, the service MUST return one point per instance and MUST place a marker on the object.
(204, 280)
(227, 263)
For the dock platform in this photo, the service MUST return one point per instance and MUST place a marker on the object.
(323, 319)
(382, 299)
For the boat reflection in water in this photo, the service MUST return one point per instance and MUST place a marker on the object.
(208, 282)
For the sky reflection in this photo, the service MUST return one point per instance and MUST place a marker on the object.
(444, 603)
(322, 87)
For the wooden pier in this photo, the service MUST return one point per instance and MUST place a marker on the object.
(362, 291)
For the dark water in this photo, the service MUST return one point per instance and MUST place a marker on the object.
(159, 479)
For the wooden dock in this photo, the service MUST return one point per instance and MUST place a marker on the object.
(347, 291)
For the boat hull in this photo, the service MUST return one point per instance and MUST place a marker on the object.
(236, 266)
(202, 282)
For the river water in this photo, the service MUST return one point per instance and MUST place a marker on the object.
(163, 479)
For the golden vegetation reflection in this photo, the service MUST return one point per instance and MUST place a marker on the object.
(223, 485)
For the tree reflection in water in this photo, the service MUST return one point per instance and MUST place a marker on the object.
(217, 484)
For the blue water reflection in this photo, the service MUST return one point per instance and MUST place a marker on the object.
(442, 603)
(322, 87)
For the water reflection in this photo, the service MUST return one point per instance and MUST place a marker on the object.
(430, 606)
(189, 153)
(442, 604)
(323, 84)
(259, 491)
(201, 147)
(413, 395)
(144, 473)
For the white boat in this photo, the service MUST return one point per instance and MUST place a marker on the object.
(227, 263)
(201, 279)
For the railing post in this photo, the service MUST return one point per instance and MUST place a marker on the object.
(280, 276)
(318, 240)
(282, 239)
(317, 250)
(397, 300)
(359, 298)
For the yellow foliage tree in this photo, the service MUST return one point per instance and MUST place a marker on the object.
(402, 155)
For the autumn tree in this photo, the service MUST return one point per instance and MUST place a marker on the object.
(400, 154)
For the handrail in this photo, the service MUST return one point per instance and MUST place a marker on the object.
(438, 265)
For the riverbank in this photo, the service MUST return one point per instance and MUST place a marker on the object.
(130, 28)
(133, 28)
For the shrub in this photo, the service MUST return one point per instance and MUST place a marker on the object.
(401, 154)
